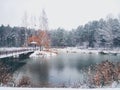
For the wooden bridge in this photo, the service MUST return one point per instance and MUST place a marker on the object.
(16, 52)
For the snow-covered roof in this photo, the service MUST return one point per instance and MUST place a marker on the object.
(33, 42)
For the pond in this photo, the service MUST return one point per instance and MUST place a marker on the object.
(62, 69)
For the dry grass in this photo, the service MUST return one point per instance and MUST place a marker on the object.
(106, 73)
(5, 75)
(24, 82)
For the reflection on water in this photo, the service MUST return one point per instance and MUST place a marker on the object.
(65, 68)
(39, 71)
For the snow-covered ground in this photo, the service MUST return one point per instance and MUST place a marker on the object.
(9, 88)
(67, 50)
(53, 51)
(87, 51)
(43, 54)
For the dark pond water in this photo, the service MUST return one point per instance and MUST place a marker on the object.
(65, 68)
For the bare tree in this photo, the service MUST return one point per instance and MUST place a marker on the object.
(43, 34)
(42, 39)
(33, 22)
(25, 25)
(43, 21)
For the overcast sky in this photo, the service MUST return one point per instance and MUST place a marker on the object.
(67, 14)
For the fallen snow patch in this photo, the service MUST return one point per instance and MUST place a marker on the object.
(43, 54)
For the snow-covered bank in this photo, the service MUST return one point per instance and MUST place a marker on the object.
(87, 51)
(65, 50)
(43, 54)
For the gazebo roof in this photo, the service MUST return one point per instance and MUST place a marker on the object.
(33, 42)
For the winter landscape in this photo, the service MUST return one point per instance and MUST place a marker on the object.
(66, 44)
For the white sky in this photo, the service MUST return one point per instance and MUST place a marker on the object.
(67, 14)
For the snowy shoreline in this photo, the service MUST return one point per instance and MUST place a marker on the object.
(55, 51)
(69, 49)
(87, 51)
(43, 54)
